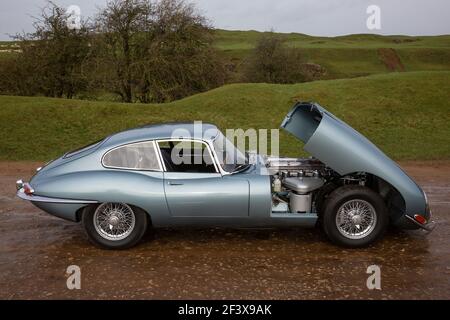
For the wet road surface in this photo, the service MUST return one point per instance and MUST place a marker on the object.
(36, 249)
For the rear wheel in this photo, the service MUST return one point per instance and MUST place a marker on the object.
(114, 225)
(354, 216)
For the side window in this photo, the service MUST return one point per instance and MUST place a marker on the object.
(136, 156)
(187, 156)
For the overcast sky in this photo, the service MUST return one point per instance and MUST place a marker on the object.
(314, 17)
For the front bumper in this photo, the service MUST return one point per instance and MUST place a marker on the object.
(429, 226)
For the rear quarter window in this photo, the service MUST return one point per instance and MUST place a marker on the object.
(136, 156)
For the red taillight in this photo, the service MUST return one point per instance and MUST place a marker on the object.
(27, 189)
(420, 219)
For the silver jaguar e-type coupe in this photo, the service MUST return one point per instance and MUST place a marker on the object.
(130, 181)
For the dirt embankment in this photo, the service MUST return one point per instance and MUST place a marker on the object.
(391, 59)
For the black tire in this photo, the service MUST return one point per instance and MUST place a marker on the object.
(343, 195)
(138, 231)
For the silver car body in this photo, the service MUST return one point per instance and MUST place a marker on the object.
(67, 185)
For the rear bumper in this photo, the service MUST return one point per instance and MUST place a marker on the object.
(62, 208)
(66, 209)
(35, 198)
(26, 192)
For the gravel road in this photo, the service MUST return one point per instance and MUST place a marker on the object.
(36, 249)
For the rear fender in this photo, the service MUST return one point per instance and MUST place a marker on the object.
(141, 189)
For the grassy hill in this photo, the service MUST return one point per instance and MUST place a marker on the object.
(406, 114)
(238, 40)
(347, 56)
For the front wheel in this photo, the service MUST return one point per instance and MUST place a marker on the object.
(354, 216)
(114, 225)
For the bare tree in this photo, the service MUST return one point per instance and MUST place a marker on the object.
(121, 25)
(158, 50)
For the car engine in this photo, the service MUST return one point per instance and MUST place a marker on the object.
(295, 182)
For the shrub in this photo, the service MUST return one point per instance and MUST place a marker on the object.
(273, 62)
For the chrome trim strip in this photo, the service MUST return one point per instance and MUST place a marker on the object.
(21, 194)
(156, 149)
(161, 160)
(428, 227)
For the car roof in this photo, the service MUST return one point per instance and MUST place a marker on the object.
(179, 130)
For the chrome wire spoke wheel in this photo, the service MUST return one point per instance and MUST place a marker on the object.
(356, 219)
(114, 221)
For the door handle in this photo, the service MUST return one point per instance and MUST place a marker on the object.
(173, 183)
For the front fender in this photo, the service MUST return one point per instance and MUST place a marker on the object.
(346, 151)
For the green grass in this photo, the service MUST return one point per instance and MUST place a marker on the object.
(406, 114)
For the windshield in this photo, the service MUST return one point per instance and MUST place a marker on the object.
(230, 158)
